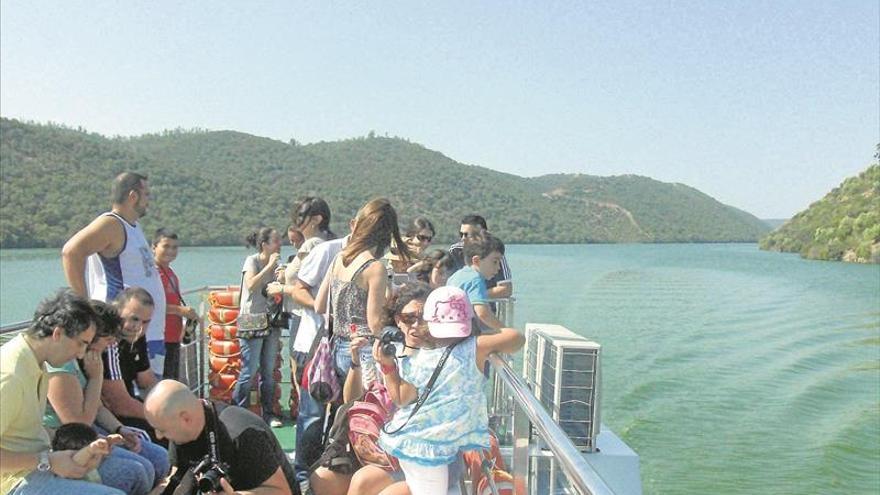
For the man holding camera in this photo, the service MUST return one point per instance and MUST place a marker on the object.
(214, 447)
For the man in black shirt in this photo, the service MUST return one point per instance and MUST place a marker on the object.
(244, 443)
(127, 363)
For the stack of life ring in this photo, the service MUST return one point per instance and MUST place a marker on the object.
(223, 347)
(225, 351)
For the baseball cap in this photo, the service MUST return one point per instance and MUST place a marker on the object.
(448, 313)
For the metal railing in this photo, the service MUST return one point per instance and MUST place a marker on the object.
(530, 414)
(510, 401)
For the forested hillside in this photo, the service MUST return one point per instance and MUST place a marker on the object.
(844, 225)
(212, 187)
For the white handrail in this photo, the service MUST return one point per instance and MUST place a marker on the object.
(580, 474)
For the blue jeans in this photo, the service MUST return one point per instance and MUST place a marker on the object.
(153, 457)
(127, 471)
(310, 424)
(47, 483)
(256, 352)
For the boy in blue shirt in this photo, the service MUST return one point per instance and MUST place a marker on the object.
(482, 255)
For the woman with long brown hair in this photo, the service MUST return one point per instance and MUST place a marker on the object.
(356, 283)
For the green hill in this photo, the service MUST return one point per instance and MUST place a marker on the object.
(844, 225)
(212, 187)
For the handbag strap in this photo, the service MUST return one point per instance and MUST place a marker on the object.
(428, 388)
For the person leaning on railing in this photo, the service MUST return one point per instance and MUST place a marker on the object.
(431, 428)
(412, 311)
(62, 328)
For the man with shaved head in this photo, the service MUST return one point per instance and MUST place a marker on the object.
(243, 441)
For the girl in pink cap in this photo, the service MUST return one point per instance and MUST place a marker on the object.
(434, 424)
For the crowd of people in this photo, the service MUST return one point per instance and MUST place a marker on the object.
(388, 344)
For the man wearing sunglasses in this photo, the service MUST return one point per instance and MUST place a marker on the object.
(499, 286)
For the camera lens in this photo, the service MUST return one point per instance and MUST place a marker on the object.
(210, 482)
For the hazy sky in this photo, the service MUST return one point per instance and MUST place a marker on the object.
(764, 105)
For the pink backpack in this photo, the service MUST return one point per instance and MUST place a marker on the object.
(365, 420)
(323, 382)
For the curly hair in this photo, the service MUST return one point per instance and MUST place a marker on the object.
(64, 309)
(108, 323)
(410, 291)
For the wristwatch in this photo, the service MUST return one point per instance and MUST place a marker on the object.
(43, 465)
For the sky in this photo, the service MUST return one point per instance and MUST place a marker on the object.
(765, 106)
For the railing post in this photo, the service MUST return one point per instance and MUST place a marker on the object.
(522, 434)
(582, 477)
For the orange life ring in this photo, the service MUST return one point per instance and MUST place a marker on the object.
(223, 380)
(225, 348)
(225, 298)
(223, 332)
(222, 316)
(221, 394)
(221, 363)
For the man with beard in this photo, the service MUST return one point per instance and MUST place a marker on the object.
(127, 375)
(111, 253)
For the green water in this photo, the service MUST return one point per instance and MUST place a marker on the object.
(728, 369)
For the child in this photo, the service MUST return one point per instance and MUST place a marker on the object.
(453, 416)
(165, 245)
(482, 255)
(91, 450)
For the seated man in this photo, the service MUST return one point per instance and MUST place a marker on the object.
(499, 285)
(63, 326)
(127, 364)
(204, 433)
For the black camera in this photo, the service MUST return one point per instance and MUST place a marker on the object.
(208, 473)
(387, 338)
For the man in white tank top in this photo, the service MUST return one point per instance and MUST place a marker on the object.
(111, 253)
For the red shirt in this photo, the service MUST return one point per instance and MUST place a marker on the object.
(173, 323)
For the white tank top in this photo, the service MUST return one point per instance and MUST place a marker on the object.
(132, 267)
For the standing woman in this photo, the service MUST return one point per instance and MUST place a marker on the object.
(311, 218)
(356, 284)
(258, 340)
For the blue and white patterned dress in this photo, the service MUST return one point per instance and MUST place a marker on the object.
(453, 419)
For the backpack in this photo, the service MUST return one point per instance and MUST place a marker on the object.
(365, 420)
(337, 455)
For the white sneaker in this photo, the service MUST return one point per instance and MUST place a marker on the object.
(275, 422)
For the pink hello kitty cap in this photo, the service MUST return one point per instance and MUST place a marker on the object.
(448, 313)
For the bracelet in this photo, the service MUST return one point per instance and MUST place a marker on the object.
(355, 365)
(388, 368)
(118, 428)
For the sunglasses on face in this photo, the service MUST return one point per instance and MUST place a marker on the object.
(424, 238)
(411, 319)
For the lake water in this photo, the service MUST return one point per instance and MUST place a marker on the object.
(728, 369)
